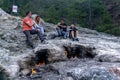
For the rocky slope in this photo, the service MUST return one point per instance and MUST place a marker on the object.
(16, 58)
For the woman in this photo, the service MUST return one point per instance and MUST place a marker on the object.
(39, 24)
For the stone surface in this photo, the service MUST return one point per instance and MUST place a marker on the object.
(55, 52)
(7, 21)
(15, 54)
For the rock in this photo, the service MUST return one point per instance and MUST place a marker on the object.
(49, 27)
(3, 74)
(93, 74)
(3, 13)
(68, 78)
(54, 52)
(79, 51)
(7, 21)
(51, 35)
(108, 58)
(25, 72)
(16, 57)
(13, 70)
(26, 62)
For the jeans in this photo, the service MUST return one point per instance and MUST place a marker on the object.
(29, 38)
(41, 30)
(65, 34)
(59, 31)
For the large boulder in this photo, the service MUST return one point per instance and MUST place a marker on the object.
(55, 53)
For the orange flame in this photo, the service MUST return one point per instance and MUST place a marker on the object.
(40, 64)
(66, 53)
(33, 71)
(76, 56)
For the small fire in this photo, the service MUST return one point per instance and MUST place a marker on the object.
(33, 71)
(40, 64)
(66, 53)
(76, 56)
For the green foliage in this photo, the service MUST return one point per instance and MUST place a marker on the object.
(115, 31)
(88, 13)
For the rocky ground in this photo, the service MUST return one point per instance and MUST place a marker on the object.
(16, 57)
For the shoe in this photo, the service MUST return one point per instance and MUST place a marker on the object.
(44, 42)
(64, 37)
(73, 39)
(77, 39)
(44, 35)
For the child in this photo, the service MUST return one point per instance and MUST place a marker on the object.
(74, 32)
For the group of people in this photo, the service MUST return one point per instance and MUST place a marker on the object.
(63, 30)
(31, 26)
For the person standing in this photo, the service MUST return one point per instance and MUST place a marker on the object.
(27, 29)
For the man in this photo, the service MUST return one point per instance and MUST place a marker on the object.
(74, 32)
(62, 28)
(27, 29)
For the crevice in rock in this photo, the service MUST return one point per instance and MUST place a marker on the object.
(35, 64)
(79, 51)
(41, 56)
(32, 63)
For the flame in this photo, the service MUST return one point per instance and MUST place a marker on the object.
(40, 64)
(33, 71)
(76, 56)
(66, 53)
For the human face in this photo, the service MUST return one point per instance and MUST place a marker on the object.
(30, 14)
(62, 21)
(72, 25)
(38, 18)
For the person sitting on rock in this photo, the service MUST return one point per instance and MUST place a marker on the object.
(39, 24)
(28, 23)
(73, 32)
(62, 28)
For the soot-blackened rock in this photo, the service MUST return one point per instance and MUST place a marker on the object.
(41, 56)
(79, 51)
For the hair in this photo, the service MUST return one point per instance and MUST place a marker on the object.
(73, 23)
(63, 19)
(27, 12)
(37, 19)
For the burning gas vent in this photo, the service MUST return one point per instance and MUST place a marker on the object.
(40, 59)
(34, 64)
(79, 51)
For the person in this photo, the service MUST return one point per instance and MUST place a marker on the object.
(39, 24)
(62, 28)
(27, 29)
(74, 32)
